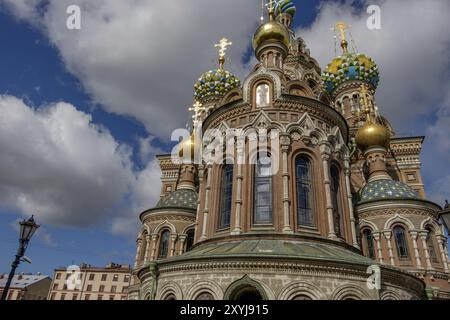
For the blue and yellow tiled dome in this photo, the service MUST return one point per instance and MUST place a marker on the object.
(350, 67)
(215, 84)
(285, 6)
(183, 198)
(387, 189)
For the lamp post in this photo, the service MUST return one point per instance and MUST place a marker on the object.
(27, 229)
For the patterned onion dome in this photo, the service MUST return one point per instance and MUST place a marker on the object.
(183, 198)
(387, 189)
(285, 6)
(215, 84)
(350, 67)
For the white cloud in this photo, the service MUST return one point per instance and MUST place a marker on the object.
(61, 167)
(411, 50)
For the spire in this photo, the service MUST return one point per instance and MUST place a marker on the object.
(341, 27)
(223, 45)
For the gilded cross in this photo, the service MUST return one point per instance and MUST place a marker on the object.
(341, 27)
(198, 109)
(223, 45)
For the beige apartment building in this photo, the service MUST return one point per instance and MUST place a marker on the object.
(91, 283)
(26, 286)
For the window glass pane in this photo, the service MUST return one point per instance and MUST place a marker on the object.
(335, 197)
(430, 245)
(400, 239)
(263, 192)
(164, 244)
(262, 95)
(304, 192)
(369, 246)
(226, 196)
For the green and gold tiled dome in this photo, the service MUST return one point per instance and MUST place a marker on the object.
(350, 67)
(185, 199)
(215, 84)
(387, 190)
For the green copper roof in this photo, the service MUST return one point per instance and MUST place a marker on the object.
(387, 190)
(186, 199)
(277, 249)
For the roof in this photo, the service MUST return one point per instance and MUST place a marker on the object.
(22, 281)
(387, 189)
(183, 198)
(277, 249)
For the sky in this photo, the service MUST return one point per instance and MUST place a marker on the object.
(83, 112)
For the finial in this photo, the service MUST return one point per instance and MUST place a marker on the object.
(197, 109)
(341, 27)
(223, 46)
(271, 7)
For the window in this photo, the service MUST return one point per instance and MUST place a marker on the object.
(100, 297)
(126, 278)
(58, 276)
(75, 297)
(63, 296)
(55, 286)
(89, 287)
(170, 296)
(411, 177)
(368, 246)
(226, 195)
(52, 297)
(335, 198)
(400, 240)
(263, 191)
(87, 296)
(116, 277)
(91, 276)
(262, 96)
(111, 297)
(305, 211)
(101, 288)
(104, 277)
(65, 287)
(190, 239)
(430, 245)
(67, 276)
(205, 296)
(164, 244)
(113, 289)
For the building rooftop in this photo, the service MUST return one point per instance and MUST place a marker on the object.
(21, 280)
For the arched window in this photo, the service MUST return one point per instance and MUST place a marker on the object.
(369, 248)
(430, 244)
(263, 191)
(262, 95)
(143, 247)
(336, 200)
(301, 297)
(226, 195)
(190, 239)
(400, 240)
(170, 296)
(164, 244)
(205, 296)
(305, 205)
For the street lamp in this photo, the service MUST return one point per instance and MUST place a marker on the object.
(27, 229)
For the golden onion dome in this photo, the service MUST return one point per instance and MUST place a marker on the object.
(272, 30)
(373, 135)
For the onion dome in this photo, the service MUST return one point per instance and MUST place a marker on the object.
(387, 189)
(372, 135)
(271, 31)
(183, 198)
(350, 67)
(286, 7)
(215, 84)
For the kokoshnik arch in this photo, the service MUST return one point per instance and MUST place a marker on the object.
(348, 193)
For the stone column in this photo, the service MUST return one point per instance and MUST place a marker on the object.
(285, 143)
(377, 237)
(414, 235)
(350, 201)
(204, 235)
(388, 236)
(423, 236)
(444, 257)
(153, 246)
(325, 152)
(147, 247)
(240, 178)
(182, 238)
(173, 239)
(138, 252)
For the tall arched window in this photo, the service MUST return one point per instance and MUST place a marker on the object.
(368, 245)
(164, 244)
(226, 195)
(305, 205)
(401, 242)
(430, 244)
(335, 198)
(262, 95)
(263, 191)
(190, 239)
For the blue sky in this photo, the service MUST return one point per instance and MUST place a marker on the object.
(43, 65)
